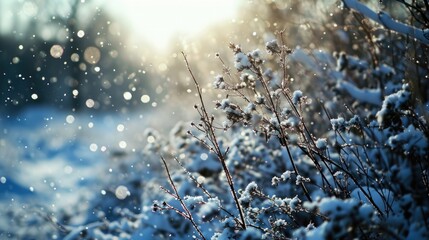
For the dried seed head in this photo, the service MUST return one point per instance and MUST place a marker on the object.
(235, 48)
(272, 47)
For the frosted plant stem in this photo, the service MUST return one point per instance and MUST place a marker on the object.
(282, 138)
(212, 136)
(354, 179)
(200, 186)
(187, 214)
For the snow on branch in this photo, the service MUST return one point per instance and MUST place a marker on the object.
(371, 96)
(384, 19)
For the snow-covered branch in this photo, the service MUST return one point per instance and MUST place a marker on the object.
(384, 19)
(371, 96)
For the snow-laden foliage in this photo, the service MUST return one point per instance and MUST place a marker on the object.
(366, 177)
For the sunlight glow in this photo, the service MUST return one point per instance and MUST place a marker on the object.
(158, 21)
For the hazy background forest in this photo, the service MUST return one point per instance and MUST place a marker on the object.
(65, 53)
(62, 54)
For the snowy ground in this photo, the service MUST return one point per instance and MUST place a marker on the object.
(56, 159)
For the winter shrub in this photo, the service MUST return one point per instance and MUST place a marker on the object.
(352, 181)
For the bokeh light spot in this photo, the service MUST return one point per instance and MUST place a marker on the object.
(75, 57)
(128, 96)
(70, 119)
(56, 51)
(122, 192)
(145, 99)
(89, 103)
(122, 144)
(92, 55)
(81, 33)
(93, 147)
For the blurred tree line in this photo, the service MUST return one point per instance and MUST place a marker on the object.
(69, 55)
(27, 66)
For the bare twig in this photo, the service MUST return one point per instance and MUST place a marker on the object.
(208, 122)
(205, 191)
(283, 136)
(186, 214)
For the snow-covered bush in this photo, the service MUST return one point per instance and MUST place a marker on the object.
(365, 177)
